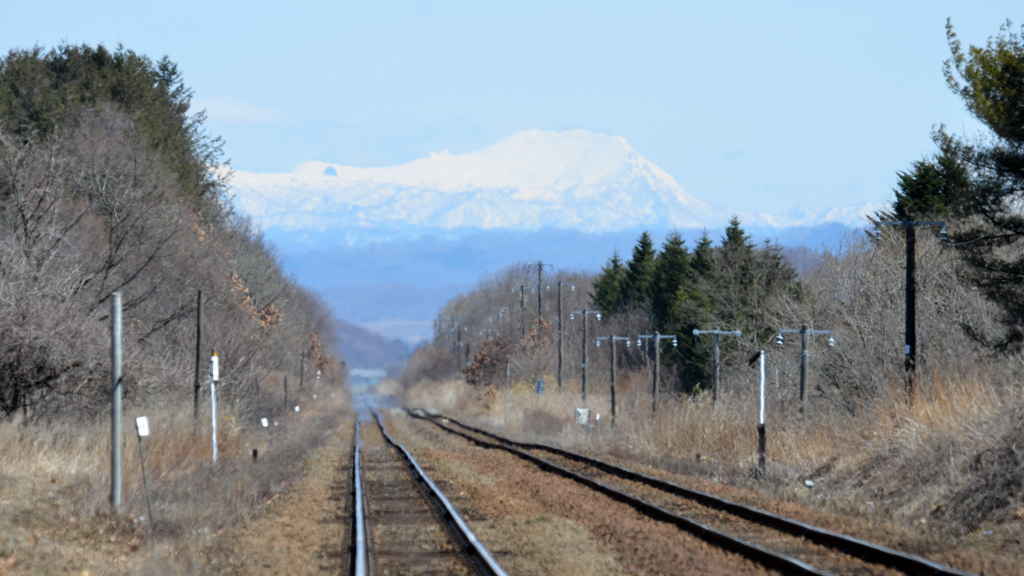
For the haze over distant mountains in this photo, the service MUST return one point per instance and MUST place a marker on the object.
(388, 246)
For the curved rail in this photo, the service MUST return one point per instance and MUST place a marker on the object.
(359, 526)
(475, 549)
(908, 563)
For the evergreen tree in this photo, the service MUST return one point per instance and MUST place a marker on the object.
(672, 281)
(990, 80)
(640, 272)
(930, 189)
(607, 296)
(42, 92)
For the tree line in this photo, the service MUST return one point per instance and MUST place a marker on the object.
(108, 184)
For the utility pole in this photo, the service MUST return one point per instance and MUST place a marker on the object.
(560, 348)
(611, 341)
(115, 402)
(585, 313)
(716, 375)
(199, 359)
(910, 326)
(540, 294)
(302, 369)
(804, 331)
(522, 310)
(657, 337)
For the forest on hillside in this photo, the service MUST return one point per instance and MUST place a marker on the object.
(108, 184)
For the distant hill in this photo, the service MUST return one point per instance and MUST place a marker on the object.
(362, 348)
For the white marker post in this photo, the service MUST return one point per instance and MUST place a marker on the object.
(265, 433)
(214, 376)
(142, 429)
(761, 441)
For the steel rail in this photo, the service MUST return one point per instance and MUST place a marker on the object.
(473, 548)
(728, 542)
(359, 526)
(862, 549)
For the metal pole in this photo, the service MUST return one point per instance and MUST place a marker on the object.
(716, 370)
(115, 402)
(611, 339)
(199, 359)
(213, 402)
(761, 434)
(584, 357)
(559, 336)
(508, 373)
(910, 362)
(657, 372)
(803, 365)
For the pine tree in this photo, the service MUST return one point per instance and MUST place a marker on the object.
(672, 281)
(640, 273)
(607, 296)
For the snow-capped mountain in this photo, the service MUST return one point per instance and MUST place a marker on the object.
(576, 180)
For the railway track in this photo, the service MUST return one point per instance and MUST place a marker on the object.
(772, 540)
(402, 522)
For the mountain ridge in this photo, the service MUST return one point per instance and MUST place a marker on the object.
(530, 180)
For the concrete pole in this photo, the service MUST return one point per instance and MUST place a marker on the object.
(657, 371)
(115, 402)
(522, 310)
(803, 365)
(560, 350)
(910, 361)
(508, 374)
(540, 294)
(199, 360)
(584, 357)
(611, 339)
(716, 372)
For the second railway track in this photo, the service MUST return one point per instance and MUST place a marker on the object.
(774, 541)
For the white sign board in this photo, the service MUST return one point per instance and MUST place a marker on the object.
(296, 408)
(214, 368)
(264, 421)
(142, 423)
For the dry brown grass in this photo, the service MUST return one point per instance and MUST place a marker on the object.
(949, 463)
(55, 485)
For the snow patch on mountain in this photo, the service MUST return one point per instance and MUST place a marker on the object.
(532, 180)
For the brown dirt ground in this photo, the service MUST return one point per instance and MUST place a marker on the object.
(304, 530)
(934, 547)
(537, 523)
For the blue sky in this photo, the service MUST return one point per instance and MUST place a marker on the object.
(753, 105)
